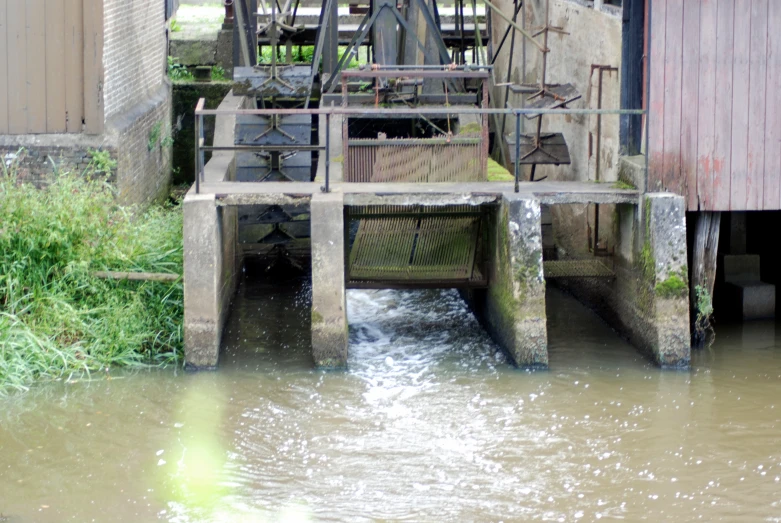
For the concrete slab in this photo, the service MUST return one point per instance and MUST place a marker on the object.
(429, 193)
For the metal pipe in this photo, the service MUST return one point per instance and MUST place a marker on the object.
(516, 26)
(370, 112)
(261, 147)
(425, 67)
(327, 152)
(197, 155)
(648, 91)
(517, 153)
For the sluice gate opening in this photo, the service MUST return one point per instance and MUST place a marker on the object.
(416, 247)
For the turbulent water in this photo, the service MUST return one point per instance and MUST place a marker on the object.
(429, 424)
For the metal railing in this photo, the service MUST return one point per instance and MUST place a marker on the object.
(374, 112)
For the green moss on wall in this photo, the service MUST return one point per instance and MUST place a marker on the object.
(672, 287)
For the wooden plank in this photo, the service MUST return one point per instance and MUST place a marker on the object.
(93, 66)
(707, 104)
(17, 67)
(772, 185)
(689, 101)
(722, 136)
(757, 105)
(55, 66)
(4, 31)
(36, 66)
(673, 80)
(657, 96)
(74, 65)
(740, 108)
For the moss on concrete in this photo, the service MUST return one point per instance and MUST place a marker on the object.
(621, 184)
(497, 173)
(317, 317)
(471, 128)
(672, 287)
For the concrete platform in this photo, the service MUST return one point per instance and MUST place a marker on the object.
(548, 193)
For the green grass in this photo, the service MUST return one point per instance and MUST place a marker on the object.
(305, 54)
(56, 319)
(497, 173)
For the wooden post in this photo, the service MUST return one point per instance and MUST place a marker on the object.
(706, 246)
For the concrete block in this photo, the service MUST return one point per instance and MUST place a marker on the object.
(513, 308)
(755, 300)
(329, 298)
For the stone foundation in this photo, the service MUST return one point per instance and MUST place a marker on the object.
(138, 140)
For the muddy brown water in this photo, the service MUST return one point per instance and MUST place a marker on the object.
(429, 424)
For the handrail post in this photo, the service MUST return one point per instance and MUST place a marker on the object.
(198, 137)
(327, 152)
(197, 156)
(517, 152)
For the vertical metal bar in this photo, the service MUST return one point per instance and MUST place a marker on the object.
(197, 155)
(201, 160)
(484, 149)
(509, 70)
(517, 152)
(328, 152)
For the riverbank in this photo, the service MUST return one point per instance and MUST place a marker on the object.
(57, 319)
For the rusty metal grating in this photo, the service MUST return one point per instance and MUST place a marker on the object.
(398, 245)
(415, 160)
(586, 268)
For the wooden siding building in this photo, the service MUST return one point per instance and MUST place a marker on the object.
(715, 103)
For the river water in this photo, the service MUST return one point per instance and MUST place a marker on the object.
(429, 424)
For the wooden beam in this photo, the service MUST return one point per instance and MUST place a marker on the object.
(704, 258)
(4, 31)
(138, 276)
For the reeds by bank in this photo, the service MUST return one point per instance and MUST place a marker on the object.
(56, 318)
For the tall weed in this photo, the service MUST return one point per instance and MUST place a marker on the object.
(56, 318)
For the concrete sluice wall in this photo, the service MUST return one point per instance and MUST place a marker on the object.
(647, 302)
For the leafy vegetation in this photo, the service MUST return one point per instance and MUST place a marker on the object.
(56, 317)
(305, 54)
(703, 329)
(218, 74)
(672, 287)
(177, 72)
(101, 162)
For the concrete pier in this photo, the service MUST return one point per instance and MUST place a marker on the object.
(210, 272)
(512, 309)
(648, 300)
(329, 299)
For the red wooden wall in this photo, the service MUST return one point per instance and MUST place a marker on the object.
(715, 111)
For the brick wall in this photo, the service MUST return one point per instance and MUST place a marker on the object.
(144, 148)
(37, 157)
(134, 53)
